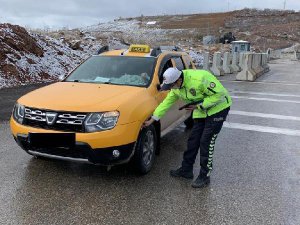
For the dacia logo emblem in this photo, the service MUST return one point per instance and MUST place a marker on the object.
(50, 117)
(193, 92)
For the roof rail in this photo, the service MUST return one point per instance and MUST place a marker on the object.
(155, 51)
(170, 48)
(103, 49)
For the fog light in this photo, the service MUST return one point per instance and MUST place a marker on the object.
(116, 153)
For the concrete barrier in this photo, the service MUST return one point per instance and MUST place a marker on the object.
(241, 60)
(226, 63)
(216, 68)
(255, 65)
(206, 64)
(269, 54)
(265, 60)
(275, 54)
(247, 74)
(235, 63)
(297, 55)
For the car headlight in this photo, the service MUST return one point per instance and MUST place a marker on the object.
(19, 113)
(101, 121)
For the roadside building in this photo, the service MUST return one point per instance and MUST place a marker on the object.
(240, 46)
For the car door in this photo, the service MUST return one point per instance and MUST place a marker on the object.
(166, 63)
(174, 116)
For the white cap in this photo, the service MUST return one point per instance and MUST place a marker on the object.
(171, 75)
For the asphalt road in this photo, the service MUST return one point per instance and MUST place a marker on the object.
(256, 177)
(9, 96)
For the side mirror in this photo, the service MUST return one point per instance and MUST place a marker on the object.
(158, 87)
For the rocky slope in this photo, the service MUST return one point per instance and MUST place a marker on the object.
(35, 57)
(32, 58)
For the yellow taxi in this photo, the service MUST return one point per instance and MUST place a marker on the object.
(96, 113)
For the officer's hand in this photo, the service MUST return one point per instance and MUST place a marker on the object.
(148, 122)
(191, 107)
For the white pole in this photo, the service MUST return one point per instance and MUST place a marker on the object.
(228, 5)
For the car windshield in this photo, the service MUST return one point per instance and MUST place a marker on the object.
(119, 70)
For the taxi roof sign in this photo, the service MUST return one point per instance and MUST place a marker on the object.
(139, 48)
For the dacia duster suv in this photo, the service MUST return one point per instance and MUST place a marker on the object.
(96, 113)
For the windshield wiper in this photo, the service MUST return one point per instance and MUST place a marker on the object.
(76, 81)
(79, 81)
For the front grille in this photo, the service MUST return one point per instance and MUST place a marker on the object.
(51, 120)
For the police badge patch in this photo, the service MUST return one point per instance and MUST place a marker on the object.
(193, 92)
(212, 85)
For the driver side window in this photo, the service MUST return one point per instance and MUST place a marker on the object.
(166, 66)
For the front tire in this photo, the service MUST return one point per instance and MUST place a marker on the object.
(145, 150)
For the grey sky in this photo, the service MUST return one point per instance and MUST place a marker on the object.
(77, 13)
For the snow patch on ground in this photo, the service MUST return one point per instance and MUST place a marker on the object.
(198, 58)
(133, 31)
(151, 23)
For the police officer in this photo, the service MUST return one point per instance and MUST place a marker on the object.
(210, 106)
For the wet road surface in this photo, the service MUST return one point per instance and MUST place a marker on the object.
(256, 177)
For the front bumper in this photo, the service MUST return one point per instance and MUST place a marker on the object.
(82, 152)
(119, 136)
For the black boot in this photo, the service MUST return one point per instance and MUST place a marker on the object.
(188, 174)
(201, 181)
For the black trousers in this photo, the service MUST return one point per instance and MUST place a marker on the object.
(203, 135)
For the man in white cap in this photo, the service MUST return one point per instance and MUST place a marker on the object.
(210, 104)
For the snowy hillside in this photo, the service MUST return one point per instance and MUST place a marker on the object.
(27, 58)
(32, 58)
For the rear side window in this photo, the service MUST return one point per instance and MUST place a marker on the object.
(179, 63)
(165, 66)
